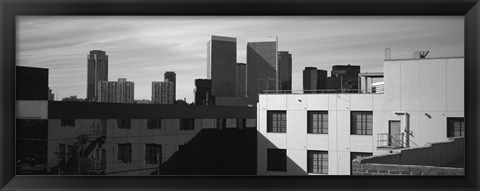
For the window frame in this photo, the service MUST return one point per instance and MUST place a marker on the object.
(157, 123)
(121, 155)
(322, 158)
(277, 160)
(278, 121)
(149, 159)
(190, 122)
(451, 129)
(123, 123)
(364, 129)
(310, 122)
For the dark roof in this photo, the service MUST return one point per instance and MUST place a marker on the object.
(93, 110)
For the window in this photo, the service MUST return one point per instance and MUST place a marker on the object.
(154, 123)
(277, 160)
(153, 154)
(277, 121)
(361, 123)
(317, 162)
(124, 152)
(123, 123)
(318, 122)
(455, 127)
(67, 122)
(187, 124)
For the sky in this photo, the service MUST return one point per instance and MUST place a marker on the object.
(143, 48)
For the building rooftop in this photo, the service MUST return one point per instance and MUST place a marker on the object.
(95, 110)
(404, 59)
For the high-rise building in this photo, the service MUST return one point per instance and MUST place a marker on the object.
(221, 65)
(314, 79)
(344, 77)
(121, 91)
(97, 70)
(284, 70)
(163, 92)
(241, 79)
(203, 92)
(172, 77)
(262, 65)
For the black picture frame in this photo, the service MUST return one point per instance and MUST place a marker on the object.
(9, 9)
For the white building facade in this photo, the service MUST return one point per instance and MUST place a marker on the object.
(320, 134)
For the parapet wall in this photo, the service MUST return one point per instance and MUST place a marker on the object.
(435, 159)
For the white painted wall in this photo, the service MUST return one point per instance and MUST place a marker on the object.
(432, 86)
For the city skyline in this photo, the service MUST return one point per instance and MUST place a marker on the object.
(142, 49)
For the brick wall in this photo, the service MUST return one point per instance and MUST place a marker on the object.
(394, 169)
(430, 160)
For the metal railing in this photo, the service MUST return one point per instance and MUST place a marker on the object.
(323, 91)
(388, 141)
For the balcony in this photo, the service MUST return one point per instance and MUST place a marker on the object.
(387, 141)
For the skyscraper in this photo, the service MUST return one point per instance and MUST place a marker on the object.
(262, 65)
(241, 79)
(344, 77)
(221, 65)
(284, 70)
(314, 79)
(203, 92)
(97, 70)
(121, 91)
(163, 92)
(172, 77)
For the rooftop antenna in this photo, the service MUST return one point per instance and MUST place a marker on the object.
(423, 54)
(388, 53)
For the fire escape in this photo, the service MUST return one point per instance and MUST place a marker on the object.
(83, 154)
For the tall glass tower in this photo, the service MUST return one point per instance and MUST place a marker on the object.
(262, 65)
(97, 70)
(222, 65)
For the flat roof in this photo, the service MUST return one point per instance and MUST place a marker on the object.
(403, 59)
(95, 110)
(371, 74)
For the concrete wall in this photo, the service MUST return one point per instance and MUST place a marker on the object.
(429, 90)
(437, 159)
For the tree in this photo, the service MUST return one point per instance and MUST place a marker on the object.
(73, 98)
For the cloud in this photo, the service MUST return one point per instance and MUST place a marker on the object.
(143, 48)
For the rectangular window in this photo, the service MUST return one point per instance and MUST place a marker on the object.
(123, 123)
(277, 160)
(154, 123)
(318, 122)
(124, 152)
(67, 122)
(153, 154)
(277, 121)
(455, 127)
(187, 124)
(361, 123)
(317, 162)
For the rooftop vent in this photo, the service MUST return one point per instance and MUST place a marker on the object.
(420, 54)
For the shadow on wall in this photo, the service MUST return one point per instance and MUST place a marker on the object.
(222, 152)
(215, 152)
(292, 168)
